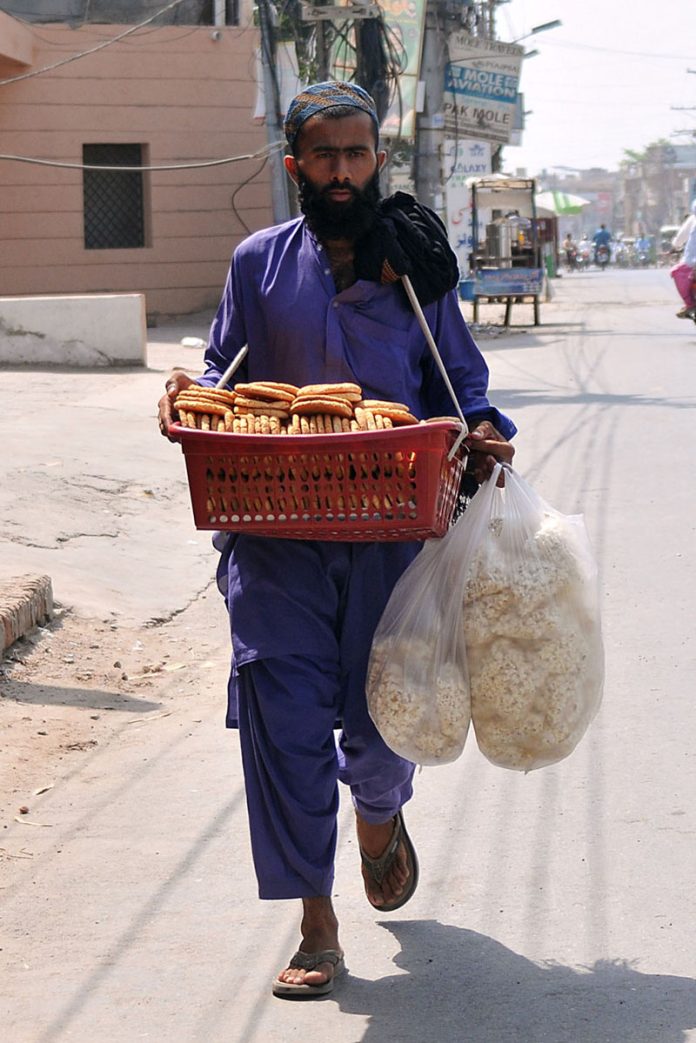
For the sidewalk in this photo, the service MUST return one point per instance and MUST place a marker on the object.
(91, 495)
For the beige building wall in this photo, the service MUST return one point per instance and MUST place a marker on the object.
(185, 94)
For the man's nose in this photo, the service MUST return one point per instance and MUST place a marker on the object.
(340, 170)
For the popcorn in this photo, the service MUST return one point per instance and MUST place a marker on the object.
(421, 714)
(533, 643)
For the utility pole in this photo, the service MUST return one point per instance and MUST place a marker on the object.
(430, 133)
(279, 179)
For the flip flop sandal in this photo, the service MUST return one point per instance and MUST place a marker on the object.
(378, 868)
(309, 961)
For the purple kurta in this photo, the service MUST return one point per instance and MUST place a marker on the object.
(281, 300)
(303, 613)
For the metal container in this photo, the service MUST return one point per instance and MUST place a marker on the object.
(499, 244)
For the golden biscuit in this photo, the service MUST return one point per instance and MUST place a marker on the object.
(321, 404)
(217, 394)
(205, 421)
(259, 390)
(398, 417)
(379, 421)
(228, 421)
(361, 415)
(249, 405)
(352, 392)
(268, 385)
(376, 405)
(199, 405)
(304, 426)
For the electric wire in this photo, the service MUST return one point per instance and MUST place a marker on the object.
(264, 152)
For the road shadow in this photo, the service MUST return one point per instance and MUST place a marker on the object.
(90, 698)
(458, 985)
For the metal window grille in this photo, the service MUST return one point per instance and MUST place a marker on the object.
(113, 200)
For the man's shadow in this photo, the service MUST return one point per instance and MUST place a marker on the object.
(462, 986)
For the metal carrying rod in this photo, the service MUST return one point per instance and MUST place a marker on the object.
(233, 366)
(415, 304)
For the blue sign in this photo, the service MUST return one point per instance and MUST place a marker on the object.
(508, 282)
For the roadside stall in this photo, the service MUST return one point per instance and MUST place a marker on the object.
(506, 260)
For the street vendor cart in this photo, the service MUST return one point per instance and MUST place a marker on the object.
(506, 261)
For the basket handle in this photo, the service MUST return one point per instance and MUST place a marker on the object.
(415, 304)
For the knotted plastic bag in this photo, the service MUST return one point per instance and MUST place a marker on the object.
(532, 626)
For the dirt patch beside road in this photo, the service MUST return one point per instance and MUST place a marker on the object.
(67, 688)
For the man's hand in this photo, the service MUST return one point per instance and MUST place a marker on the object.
(487, 447)
(175, 383)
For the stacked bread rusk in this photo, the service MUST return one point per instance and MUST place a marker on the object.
(267, 407)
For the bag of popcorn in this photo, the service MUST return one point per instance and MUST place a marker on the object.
(532, 626)
(417, 684)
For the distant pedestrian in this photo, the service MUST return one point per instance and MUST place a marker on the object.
(683, 273)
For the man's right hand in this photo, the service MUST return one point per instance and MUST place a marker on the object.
(175, 383)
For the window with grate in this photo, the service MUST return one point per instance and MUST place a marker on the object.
(114, 209)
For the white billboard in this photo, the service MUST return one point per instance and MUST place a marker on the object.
(481, 84)
(462, 160)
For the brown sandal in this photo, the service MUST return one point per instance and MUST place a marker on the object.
(378, 868)
(309, 961)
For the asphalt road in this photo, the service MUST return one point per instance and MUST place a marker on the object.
(557, 907)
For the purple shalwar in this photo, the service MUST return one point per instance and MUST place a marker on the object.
(303, 613)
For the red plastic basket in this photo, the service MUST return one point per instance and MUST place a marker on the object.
(369, 485)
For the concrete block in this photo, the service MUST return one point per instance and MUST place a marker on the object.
(97, 329)
(25, 602)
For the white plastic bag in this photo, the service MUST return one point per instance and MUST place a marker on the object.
(532, 626)
(417, 686)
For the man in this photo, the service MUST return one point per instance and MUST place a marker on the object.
(570, 251)
(316, 300)
(602, 237)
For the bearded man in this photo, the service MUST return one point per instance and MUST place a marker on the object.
(318, 300)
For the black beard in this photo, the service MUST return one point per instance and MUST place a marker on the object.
(329, 220)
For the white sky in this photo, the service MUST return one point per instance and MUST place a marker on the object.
(602, 82)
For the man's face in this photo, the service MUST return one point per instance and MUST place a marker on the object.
(337, 171)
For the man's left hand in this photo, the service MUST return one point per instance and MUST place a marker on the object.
(487, 447)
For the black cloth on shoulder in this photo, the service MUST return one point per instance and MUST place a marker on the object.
(408, 238)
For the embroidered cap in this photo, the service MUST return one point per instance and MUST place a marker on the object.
(321, 96)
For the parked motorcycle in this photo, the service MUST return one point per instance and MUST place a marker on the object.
(583, 258)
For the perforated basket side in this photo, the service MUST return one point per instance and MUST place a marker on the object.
(349, 487)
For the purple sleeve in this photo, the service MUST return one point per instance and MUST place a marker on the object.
(227, 333)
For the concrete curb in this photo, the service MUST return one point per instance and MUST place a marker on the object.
(25, 602)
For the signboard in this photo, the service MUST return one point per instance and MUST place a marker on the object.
(481, 81)
(461, 160)
(508, 282)
(405, 22)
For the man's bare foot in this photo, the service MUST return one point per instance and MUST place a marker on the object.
(374, 841)
(319, 929)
